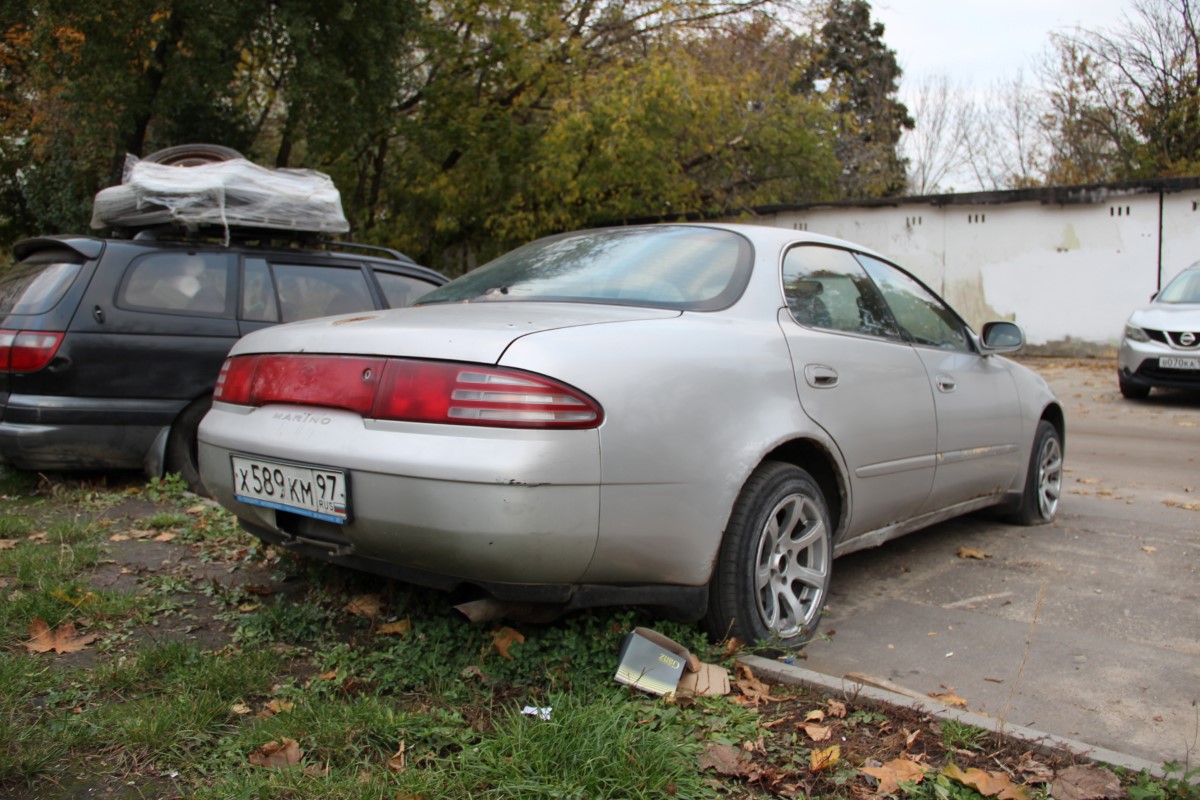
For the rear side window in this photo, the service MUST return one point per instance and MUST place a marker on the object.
(35, 288)
(401, 290)
(189, 283)
(307, 291)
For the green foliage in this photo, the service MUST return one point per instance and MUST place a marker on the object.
(170, 487)
(1180, 783)
(960, 736)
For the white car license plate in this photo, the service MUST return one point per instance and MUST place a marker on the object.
(313, 491)
(1170, 362)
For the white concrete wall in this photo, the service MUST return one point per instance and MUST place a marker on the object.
(1069, 274)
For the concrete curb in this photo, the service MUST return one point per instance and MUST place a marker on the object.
(780, 672)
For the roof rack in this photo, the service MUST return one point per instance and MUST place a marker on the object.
(242, 235)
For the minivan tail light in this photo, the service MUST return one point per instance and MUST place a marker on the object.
(28, 351)
(408, 390)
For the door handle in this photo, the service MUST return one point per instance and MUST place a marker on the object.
(820, 376)
(945, 383)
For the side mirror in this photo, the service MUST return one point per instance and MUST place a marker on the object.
(1002, 337)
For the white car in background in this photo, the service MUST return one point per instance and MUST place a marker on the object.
(1161, 345)
(695, 418)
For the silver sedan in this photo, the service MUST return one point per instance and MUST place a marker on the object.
(694, 418)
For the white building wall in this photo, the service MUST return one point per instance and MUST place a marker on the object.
(1068, 274)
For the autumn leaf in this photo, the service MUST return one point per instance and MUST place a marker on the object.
(397, 628)
(824, 759)
(240, 709)
(397, 762)
(725, 759)
(988, 784)
(837, 709)
(972, 552)
(818, 733)
(815, 716)
(1149, 548)
(280, 706)
(166, 536)
(277, 755)
(505, 638)
(755, 690)
(8, 544)
(1086, 782)
(893, 772)
(62, 639)
(365, 605)
(949, 698)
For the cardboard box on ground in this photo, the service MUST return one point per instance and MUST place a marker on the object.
(659, 665)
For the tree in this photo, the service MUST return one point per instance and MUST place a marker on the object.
(1139, 90)
(944, 118)
(1006, 149)
(863, 75)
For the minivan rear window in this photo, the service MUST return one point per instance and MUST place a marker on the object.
(35, 288)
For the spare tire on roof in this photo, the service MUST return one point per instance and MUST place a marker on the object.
(205, 187)
(191, 155)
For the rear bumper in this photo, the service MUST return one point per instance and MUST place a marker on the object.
(69, 433)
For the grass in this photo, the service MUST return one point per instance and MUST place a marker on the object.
(213, 652)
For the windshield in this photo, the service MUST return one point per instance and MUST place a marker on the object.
(1184, 288)
(663, 266)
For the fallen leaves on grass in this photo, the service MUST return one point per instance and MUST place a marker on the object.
(893, 772)
(824, 759)
(8, 544)
(989, 784)
(754, 690)
(504, 639)
(397, 628)
(63, 639)
(818, 733)
(365, 605)
(283, 754)
(1086, 782)
(726, 759)
(398, 762)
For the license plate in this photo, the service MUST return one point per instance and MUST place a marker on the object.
(318, 492)
(1168, 362)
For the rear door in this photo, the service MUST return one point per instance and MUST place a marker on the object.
(861, 382)
(157, 329)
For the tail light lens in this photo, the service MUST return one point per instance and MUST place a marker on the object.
(407, 390)
(27, 351)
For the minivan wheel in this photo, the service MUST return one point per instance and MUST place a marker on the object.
(772, 575)
(182, 448)
(1043, 481)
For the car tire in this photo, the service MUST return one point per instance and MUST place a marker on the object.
(1132, 391)
(182, 449)
(1043, 480)
(772, 574)
(192, 155)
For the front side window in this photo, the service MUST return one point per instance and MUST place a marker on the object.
(307, 291)
(189, 283)
(922, 317)
(659, 266)
(826, 288)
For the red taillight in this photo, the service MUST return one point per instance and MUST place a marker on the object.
(405, 390)
(27, 351)
(464, 394)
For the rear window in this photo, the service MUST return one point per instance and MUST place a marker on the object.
(661, 266)
(35, 288)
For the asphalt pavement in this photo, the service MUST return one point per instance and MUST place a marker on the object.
(1086, 629)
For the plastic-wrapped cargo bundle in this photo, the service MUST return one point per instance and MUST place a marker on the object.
(225, 194)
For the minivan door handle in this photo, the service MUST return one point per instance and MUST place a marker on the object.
(820, 376)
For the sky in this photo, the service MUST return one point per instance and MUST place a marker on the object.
(980, 42)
